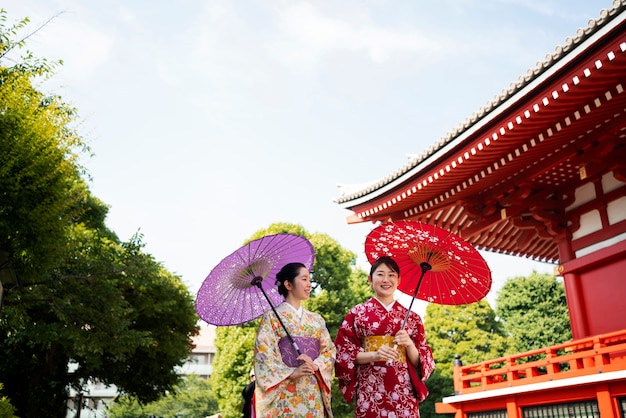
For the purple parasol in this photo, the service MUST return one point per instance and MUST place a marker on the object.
(242, 286)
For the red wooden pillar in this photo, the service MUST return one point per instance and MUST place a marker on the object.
(574, 293)
(605, 402)
(576, 306)
(512, 411)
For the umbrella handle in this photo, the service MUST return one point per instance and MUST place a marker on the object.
(257, 282)
(425, 267)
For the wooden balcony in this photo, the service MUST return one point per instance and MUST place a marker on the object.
(588, 356)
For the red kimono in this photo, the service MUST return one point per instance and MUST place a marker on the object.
(382, 390)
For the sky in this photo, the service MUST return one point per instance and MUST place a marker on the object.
(210, 120)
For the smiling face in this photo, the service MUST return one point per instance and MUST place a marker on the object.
(384, 281)
(300, 289)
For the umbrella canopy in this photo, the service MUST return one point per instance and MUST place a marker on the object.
(435, 265)
(242, 286)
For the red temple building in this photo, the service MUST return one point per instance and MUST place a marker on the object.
(540, 173)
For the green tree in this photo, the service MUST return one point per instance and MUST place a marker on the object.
(191, 398)
(6, 409)
(127, 407)
(338, 285)
(534, 311)
(231, 366)
(439, 386)
(72, 292)
(110, 310)
(38, 164)
(470, 331)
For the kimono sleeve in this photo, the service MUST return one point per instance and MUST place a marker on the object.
(269, 367)
(427, 362)
(326, 360)
(348, 345)
(422, 372)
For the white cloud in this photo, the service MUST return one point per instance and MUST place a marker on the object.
(308, 35)
(339, 90)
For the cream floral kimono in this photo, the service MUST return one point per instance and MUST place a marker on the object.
(275, 359)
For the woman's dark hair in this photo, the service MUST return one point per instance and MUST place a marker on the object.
(388, 261)
(287, 273)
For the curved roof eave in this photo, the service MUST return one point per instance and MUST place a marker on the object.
(562, 56)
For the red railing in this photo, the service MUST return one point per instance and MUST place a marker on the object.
(598, 354)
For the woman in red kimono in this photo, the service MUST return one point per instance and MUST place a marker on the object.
(386, 381)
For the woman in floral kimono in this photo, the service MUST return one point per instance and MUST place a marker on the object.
(387, 381)
(289, 384)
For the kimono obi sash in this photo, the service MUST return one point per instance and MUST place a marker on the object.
(308, 346)
(374, 342)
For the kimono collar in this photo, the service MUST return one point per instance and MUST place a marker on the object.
(388, 307)
(293, 308)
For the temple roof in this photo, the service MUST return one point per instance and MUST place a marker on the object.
(503, 178)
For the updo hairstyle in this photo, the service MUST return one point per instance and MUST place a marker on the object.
(287, 273)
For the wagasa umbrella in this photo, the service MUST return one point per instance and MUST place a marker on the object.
(242, 286)
(435, 265)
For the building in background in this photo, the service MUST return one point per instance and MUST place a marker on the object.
(540, 173)
(97, 396)
(201, 359)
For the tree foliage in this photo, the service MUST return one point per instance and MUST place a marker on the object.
(7, 410)
(38, 171)
(534, 311)
(338, 285)
(191, 398)
(72, 292)
(470, 331)
(231, 366)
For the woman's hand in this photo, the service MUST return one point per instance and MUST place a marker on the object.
(386, 353)
(307, 368)
(403, 338)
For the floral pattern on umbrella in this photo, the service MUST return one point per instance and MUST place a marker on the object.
(436, 265)
(242, 286)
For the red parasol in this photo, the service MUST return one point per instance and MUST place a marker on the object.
(457, 273)
(436, 265)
